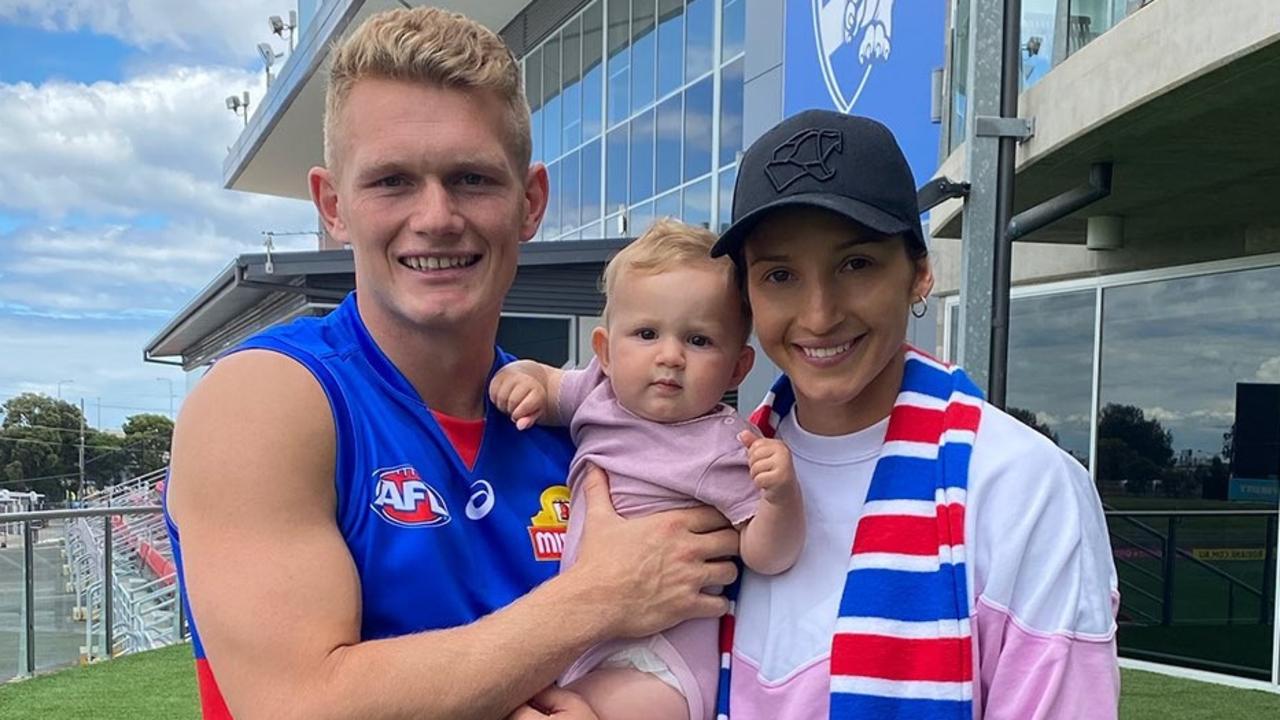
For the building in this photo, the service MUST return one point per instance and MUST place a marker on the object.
(1144, 338)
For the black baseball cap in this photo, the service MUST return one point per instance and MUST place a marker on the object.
(847, 164)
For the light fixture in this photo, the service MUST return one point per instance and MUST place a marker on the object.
(239, 105)
(280, 27)
(269, 56)
(1105, 232)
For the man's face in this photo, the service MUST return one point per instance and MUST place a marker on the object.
(432, 202)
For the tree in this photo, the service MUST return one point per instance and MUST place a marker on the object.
(39, 440)
(149, 436)
(1132, 448)
(1028, 418)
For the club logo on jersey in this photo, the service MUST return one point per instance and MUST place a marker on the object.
(402, 498)
(547, 528)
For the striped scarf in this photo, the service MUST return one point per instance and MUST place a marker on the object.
(901, 649)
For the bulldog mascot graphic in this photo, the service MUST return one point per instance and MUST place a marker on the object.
(853, 36)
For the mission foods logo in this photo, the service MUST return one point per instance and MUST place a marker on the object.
(547, 528)
(402, 498)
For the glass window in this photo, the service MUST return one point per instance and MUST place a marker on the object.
(669, 132)
(1190, 419)
(667, 206)
(551, 120)
(533, 91)
(670, 45)
(551, 221)
(616, 167)
(619, 85)
(613, 227)
(700, 25)
(1051, 367)
(543, 339)
(1038, 22)
(959, 72)
(731, 112)
(639, 219)
(592, 231)
(697, 130)
(953, 347)
(733, 27)
(643, 54)
(727, 179)
(570, 192)
(591, 186)
(697, 204)
(593, 73)
(571, 70)
(642, 156)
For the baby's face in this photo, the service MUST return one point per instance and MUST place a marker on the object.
(675, 342)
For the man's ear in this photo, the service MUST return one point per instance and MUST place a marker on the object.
(746, 360)
(324, 194)
(600, 345)
(536, 186)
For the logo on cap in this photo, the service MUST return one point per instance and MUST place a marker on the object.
(805, 154)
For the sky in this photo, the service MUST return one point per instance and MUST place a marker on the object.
(113, 131)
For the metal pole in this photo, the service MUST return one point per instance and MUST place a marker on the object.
(108, 592)
(81, 498)
(1265, 613)
(977, 263)
(1170, 554)
(29, 592)
(1005, 172)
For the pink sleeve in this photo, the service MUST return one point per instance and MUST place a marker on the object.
(1030, 675)
(726, 485)
(575, 386)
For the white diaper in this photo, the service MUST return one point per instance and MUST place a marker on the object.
(641, 658)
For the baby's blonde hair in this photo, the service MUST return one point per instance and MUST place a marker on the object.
(433, 46)
(666, 245)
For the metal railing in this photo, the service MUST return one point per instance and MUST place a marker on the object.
(1170, 552)
(119, 566)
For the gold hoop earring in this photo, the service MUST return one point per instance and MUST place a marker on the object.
(920, 308)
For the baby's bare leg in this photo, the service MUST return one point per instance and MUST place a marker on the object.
(628, 694)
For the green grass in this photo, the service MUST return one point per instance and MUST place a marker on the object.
(160, 685)
(155, 685)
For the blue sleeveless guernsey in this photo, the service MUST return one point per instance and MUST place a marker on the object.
(436, 544)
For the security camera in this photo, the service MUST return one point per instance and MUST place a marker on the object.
(233, 102)
(277, 24)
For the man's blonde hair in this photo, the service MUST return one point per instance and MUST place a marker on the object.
(433, 46)
(666, 245)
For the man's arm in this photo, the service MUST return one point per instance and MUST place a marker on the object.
(275, 592)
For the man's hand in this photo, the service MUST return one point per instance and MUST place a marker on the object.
(648, 574)
(771, 468)
(519, 395)
(554, 703)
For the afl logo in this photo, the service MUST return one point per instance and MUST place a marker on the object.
(402, 498)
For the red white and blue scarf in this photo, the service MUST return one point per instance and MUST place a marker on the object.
(902, 648)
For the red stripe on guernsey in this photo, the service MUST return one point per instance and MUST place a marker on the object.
(963, 417)
(889, 658)
(914, 424)
(900, 534)
(212, 706)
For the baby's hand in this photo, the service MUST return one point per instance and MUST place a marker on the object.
(771, 468)
(518, 395)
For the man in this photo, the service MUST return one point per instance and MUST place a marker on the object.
(1034, 65)
(356, 527)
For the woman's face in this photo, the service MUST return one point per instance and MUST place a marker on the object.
(830, 302)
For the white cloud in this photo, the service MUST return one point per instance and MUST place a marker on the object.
(126, 181)
(227, 28)
(1269, 370)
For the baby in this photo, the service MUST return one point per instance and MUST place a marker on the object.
(647, 410)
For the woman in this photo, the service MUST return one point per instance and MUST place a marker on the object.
(980, 582)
